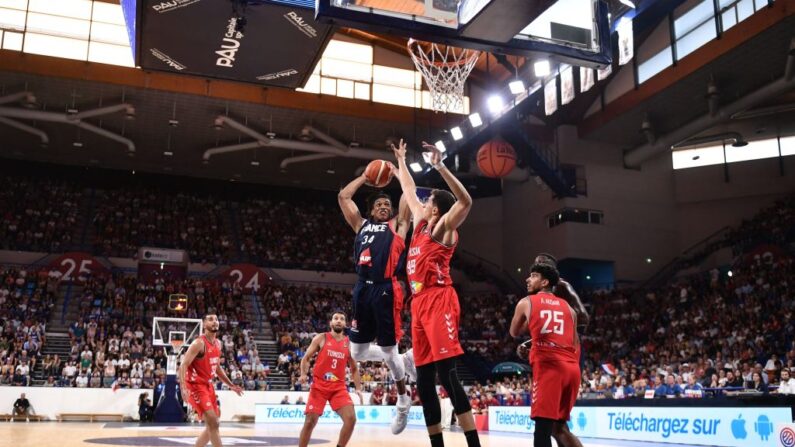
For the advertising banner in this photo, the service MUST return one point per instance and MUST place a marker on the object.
(265, 43)
(728, 426)
(365, 414)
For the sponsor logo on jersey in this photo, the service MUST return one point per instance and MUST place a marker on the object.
(416, 286)
(330, 377)
(365, 258)
(414, 251)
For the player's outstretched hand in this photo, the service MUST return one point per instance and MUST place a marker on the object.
(237, 389)
(361, 398)
(436, 154)
(524, 349)
(302, 379)
(185, 394)
(400, 151)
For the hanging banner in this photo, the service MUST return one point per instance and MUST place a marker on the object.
(551, 96)
(566, 85)
(250, 277)
(263, 42)
(76, 266)
(586, 79)
(626, 46)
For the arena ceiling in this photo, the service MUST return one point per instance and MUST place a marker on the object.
(746, 67)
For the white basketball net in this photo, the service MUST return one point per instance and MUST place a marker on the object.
(445, 70)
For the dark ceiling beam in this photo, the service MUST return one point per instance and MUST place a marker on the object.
(15, 61)
(731, 39)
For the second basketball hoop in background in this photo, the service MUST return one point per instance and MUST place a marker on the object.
(445, 70)
(178, 302)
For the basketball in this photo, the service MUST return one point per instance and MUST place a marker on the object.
(496, 159)
(379, 173)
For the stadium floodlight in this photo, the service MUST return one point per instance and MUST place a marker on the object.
(516, 86)
(440, 145)
(416, 167)
(456, 133)
(495, 104)
(475, 120)
(628, 3)
(542, 68)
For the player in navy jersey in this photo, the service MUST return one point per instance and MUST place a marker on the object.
(379, 251)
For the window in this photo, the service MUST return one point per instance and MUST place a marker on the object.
(577, 215)
(714, 155)
(753, 151)
(349, 51)
(788, 145)
(655, 64)
(12, 41)
(342, 69)
(73, 29)
(63, 47)
(388, 94)
(691, 158)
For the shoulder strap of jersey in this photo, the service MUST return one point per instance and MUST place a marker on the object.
(421, 225)
(365, 222)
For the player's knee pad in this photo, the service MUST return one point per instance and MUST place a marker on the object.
(449, 379)
(426, 388)
(394, 361)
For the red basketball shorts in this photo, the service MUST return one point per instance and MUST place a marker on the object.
(434, 325)
(555, 389)
(337, 396)
(202, 398)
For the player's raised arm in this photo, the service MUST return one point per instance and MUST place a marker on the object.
(349, 209)
(314, 347)
(519, 321)
(567, 291)
(403, 216)
(406, 182)
(460, 209)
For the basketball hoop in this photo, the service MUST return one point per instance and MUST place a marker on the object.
(445, 70)
(176, 345)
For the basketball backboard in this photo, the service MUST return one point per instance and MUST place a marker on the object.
(175, 334)
(572, 31)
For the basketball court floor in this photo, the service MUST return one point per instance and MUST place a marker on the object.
(76, 434)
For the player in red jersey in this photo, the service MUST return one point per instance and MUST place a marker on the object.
(202, 364)
(554, 356)
(328, 380)
(564, 290)
(434, 307)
